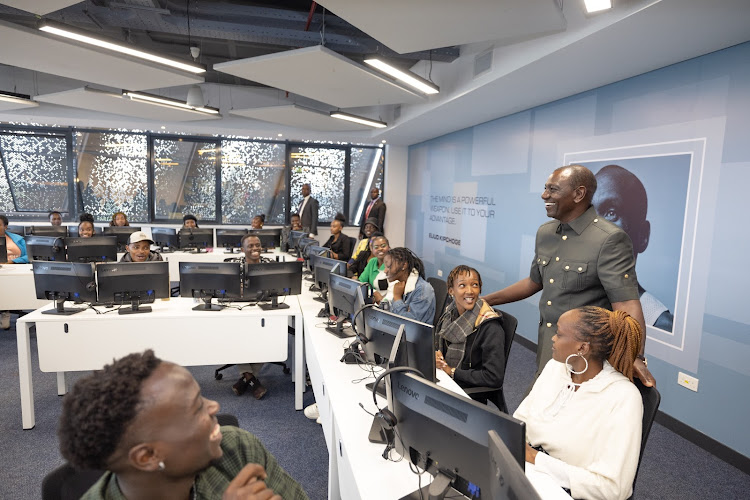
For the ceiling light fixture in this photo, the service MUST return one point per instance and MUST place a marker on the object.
(16, 98)
(597, 5)
(80, 36)
(358, 119)
(408, 78)
(165, 101)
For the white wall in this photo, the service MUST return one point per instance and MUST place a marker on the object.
(394, 193)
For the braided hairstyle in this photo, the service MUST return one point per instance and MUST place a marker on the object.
(406, 256)
(459, 270)
(99, 409)
(613, 335)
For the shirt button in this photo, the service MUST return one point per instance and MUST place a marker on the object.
(549, 325)
(581, 269)
(549, 302)
(565, 237)
(551, 280)
(596, 220)
(537, 260)
(544, 262)
(557, 259)
(626, 275)
(567, 267)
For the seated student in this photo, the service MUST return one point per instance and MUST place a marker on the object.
(258, 222)
(378, 247)
(86, 226)
(408, 293)
(296, 222)
(363, 245)
(189, 221)
(339, 243)
(139, 249)
(584, 413)
(470, 336)
(251, 247)
(16, 250)
(145, 422)
(55, 218)
(119, 219)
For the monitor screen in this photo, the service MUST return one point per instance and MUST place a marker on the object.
(4, 251)
(122, 233)
(50, 248)
(313, 252)
(269, 238)
(443, 432)
(206, 280)
(272, 279)
(61, 281)
(59, 231)
(135, 283)
(196, 238)
(324, 267)
(345, 298)
(19, 230)
(304, 243)
(507, 478)
(165, 237)
(98, 249)
(294, 237)
(230, 238)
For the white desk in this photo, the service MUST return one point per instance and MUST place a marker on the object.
(88, 341)
(356, 468)
(17, 290)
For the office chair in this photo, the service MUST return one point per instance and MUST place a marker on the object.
(218, 375)
(68, 483)
(483, 394)
(651, 400)
(441, 296)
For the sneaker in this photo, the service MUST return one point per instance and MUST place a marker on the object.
(241, 386)
(5, 320)
(258, 390)
(312, 412)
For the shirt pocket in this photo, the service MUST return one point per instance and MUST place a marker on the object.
(541, 263)
(575, 275)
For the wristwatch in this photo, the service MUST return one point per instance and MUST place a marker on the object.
(453, 372)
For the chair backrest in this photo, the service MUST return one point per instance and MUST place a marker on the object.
(441, 295)
(68, 483)
(651, 401)
(510, 324)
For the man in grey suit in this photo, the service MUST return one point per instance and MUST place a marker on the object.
(375, 209)
(308, 211)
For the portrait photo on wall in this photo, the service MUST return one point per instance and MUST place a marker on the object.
(647, 198)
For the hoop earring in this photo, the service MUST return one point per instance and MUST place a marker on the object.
(570, 368)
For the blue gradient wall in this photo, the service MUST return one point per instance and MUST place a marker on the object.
(684, 131)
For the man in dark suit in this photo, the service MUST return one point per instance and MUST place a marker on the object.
(375, 209)
(308, 211)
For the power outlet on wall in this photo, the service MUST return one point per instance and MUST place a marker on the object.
(440, 273)
(687, 381)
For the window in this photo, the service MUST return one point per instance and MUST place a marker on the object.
(185, 179)
(112, 174)
(365, 172)
(323, 169)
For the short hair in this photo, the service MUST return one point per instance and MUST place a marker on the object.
(295, 214)
(100, 407)
(248, 235)
(458, 271)
(4, 219)
(582, 176)
(403, 254)
(190, 217)
(53, 212)
(613, 335)
(86, 217)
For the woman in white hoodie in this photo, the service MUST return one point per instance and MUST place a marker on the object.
(583, 415)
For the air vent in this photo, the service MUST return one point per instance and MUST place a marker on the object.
(449, 410)
(482, 63)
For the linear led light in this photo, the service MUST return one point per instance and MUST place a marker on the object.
(165, 101)
(16, 98)
(408, 78)
(358, 119)
(597, 5)
(66, 32)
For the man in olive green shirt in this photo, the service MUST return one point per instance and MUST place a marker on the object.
(580, 259)
(146, 422)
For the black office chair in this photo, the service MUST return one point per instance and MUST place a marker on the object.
(509, 323)
(441, 296)
(651, 401)
(68, 483)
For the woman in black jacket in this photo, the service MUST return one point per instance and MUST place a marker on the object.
(470, 339)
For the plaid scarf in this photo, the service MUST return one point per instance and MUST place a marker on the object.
(455, 328)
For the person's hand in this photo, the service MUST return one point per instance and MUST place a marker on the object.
(641, 371)
(440, 363)
(377, 296)
(249, 485)
(531, 454)
(334, 255)
(398, 290)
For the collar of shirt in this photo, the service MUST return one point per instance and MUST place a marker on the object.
(582, 221)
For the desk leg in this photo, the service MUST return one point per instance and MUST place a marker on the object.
(62, 389)
(299, 361)
(24, 375)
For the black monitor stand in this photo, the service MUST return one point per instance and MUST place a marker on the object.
(274, 305)
(60, 308)
(208, 305)
(231, 250)
(338, 329)
(135, 307)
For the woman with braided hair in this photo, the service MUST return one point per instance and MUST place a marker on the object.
(583, 415)
(408, 294)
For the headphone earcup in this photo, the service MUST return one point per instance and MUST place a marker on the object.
(386, 418)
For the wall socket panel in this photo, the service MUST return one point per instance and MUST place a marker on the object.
(687, 381)
(440, 273)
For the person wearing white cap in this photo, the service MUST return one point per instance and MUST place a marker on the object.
(139, 249)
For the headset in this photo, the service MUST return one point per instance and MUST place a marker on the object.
(384, 416)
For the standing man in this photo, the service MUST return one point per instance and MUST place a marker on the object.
(308, 211)
(581, 259)
(375, 210)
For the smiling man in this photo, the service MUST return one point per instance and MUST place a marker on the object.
(139, 249)
(145, 421)
(581, 259)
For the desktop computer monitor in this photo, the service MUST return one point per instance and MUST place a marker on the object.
(325, 266)
(231, 239)
(447, 435)
(61, 281)
(313, 252)
(165, 238)
(4, 251)
(206, 280)
(506, 476)
(303, 244)
(345, 298)
(50, 248)
(135, 283)
(58, 231)
(98, 249)
(270, 280)
(122, 233)
(19, 230)
(196, 238)
(269, 238)
(294, 237)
